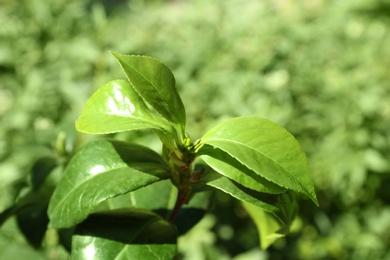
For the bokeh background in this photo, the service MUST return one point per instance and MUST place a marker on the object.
(319, 68)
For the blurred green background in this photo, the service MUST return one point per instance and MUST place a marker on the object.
(319, 68)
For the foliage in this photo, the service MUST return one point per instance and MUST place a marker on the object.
(255, 161)
(318, 68)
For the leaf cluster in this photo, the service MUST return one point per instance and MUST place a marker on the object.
(250, 158)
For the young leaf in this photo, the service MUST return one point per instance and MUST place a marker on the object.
(100, 170)
(155, 83)
(117, 107)
(124, 234)
(267, 149)
(267, 225)
(228, 166)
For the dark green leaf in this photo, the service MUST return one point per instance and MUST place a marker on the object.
(160, 197)
(228, 166)
(117, 107)
(267, 149)
(65, 237)
(32, 198)
(100, 170)
(156, 196)
(41, 169)
(124, 234)
(32, 221)
(155, 83)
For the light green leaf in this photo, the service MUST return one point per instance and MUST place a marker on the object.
(155, 83)
(273, 204)
(116, 107)
(267, 225)
(228, 166)
(124, 234)
(100, 170)
(267, 149)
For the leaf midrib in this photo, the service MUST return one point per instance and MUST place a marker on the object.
(62, 201)
(159, 92)
(257, 151)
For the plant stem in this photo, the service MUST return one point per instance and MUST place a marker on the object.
(181, 199)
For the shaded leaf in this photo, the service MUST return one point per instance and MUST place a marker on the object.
(160, 198)
(65, 237)
(116, 107)
(228, 166)
(124, 234)
(41, 169)
(100, 170)
(267, 225)
(32, 221)
(267, 149)
(155, 83)
(156, 196)
(37, 196)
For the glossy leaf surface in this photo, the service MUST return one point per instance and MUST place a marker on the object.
(228, 166)
(273, 204)
(117, 107)
(124, 234)
(267, 149)
(155, 83)
(100, 170)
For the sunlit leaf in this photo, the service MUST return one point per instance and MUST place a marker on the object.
(100, 170)
(124, 234)
(228, 166)
(116, 107)
(273, 204)
(155, 83)
(267, 149)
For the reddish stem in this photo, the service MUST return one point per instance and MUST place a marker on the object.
(181, 199)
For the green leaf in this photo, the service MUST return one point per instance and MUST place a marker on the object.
(228, 166)
(41, 169)
(156, 196)
(267, 149)
(32, 222)
(100, 170)
(267, 225)
(160, 197)
(116, 107)
(155, 83)
(274, 204)
(43, 180)
(124, 234)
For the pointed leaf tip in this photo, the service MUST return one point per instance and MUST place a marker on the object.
(267, 149)
(117, 107)
(155, 83)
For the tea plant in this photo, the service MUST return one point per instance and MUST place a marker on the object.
(127, 201)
